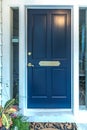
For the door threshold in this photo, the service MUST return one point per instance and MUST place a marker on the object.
(49, 115)
(47, 111)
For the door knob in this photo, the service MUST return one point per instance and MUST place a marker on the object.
(29, 53)
(30, 65)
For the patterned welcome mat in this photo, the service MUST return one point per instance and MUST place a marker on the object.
(53, 126)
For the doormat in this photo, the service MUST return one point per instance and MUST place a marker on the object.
(53, 126)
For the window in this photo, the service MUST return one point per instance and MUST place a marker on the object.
(15, 46)
(82, 58)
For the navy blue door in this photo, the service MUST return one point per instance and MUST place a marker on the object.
(49, 58)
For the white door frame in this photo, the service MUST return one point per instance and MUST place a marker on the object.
(48, 7)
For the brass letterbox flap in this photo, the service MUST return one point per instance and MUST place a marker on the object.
(49, 63)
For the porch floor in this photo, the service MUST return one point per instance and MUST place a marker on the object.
(81, 126)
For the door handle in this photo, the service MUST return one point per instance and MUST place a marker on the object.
(30, 65)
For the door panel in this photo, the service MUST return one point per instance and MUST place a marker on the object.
(39, 34)
(39, 88)
(58, 84)
(49, 58)
(58, 35)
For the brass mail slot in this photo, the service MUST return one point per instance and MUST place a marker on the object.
(49, 63)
